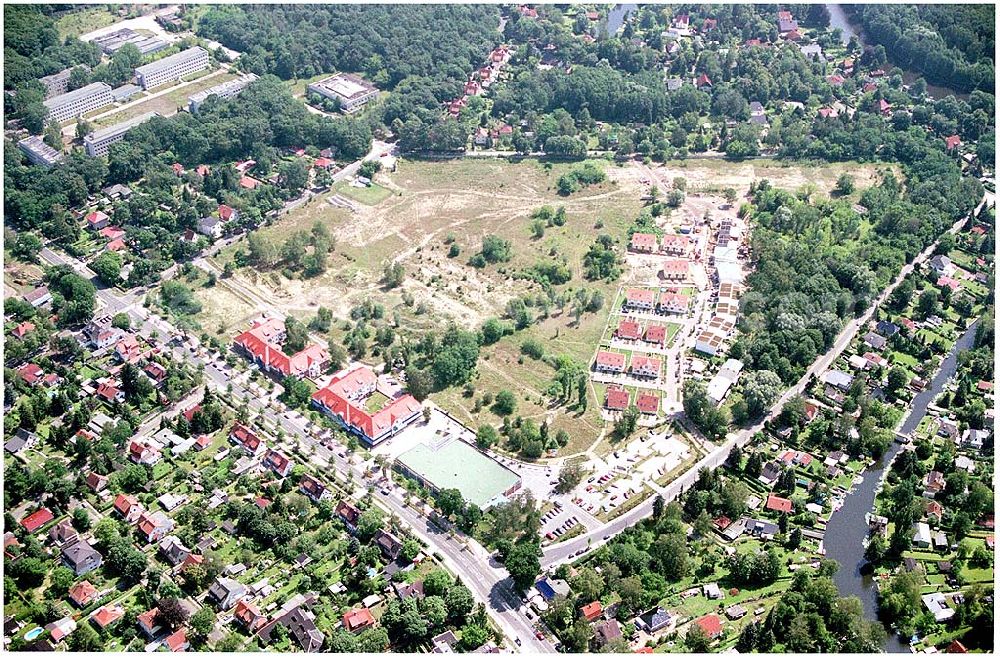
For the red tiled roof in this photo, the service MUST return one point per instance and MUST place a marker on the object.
(124, 503)
(643, 241)
(23, 329)
(30, 373)
(656, 333)
(176, 640)
(648, 403)
(340, 398)
(246, 437)
(639, 296)
(645, 363)
(676, 267)
(711, 624)
(258, 341)
(358, 619)
(617, 399)
(704, 80)
(226, 212)
(82, 593)
(111, 232)
(778, 504)
(37, 519)
(107, 391)
(614, 360)
(628, 330)
(107, 615)
(249, 183)
(116, 245)
(97, 217)
(951, 142)
(592, 610)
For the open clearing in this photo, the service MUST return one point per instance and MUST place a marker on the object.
(431, 204)
(169, 103)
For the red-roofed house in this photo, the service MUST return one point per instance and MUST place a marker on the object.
(675, 245)
(645, 366)
(313, 488)
(246, 439)
(128, 349)
(126, 506)
(324, 163)
(656, 334)
(674, 270)
(115, 245)
(357, 620)
(947, 281)
(778, 504)
(82, 594)
(37, 519)
(836, 79)
(111, 233)
(617, 399)
(613, 362)
(155, 526)
(883, 108)
(278, 463)
(23, 329)
(648, 403)
(30, 373)
(639, 299)
(711, 624)
(952, 143)
(177, 641)
(249, 615)
(148, 622)
(672, 302)
(203, 170)
(248, 183)
(343, 400)
(643, 243)
(592, 610)
(141, 453)
(107, 615)
(110, 392)
(228, 213)
(628, 330)
(261, 343)
(97, 220)
(96, 482)
(703, 81)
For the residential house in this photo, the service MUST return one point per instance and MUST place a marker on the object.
(34, 521)
(349, 514)
(107, 616)
(711, 624)
(82, 594)
(225, 592)
(62, 533)
(610, 362)
(249, 616)
(81, 557)
(592, 611)
(921, 535)
(639, 299)
(617, 399)
(149, 622)
(606, 632)
(357, 620)
(155, 526)
(277, 463)
(937, 605)
(314, 489)
(173, 550)
(654, 620)
(247, 439)
(389, 544)
(177, 641)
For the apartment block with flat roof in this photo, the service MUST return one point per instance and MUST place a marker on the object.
(99, 142)
(172, 67)
(58, 83)
(225, 90)
(352, 92)
(79, 101)
(113, 41)
(39, 152)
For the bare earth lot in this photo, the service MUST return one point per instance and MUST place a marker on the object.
(432, 203)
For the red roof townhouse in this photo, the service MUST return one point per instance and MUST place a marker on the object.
(645, 366)
(643, 243)
(613, 362)
(249, 616)
(128, 507)
(672, 302)
(674, 270)
(142, 453)
(343, 399)
(107, 615)
(648, 403)
(656, 334)
(30, 373)
(155, 526)
(675, 245)
(262, 344)
(628, 330)
(639, 299)
(617, 399)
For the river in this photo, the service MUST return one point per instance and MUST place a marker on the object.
(847, 529)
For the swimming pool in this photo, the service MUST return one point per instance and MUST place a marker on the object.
(33, 633)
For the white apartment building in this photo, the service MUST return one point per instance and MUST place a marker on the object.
(79, 101)
(352, 92)
(172, 67)
(39, 152)
(225, 90)
(99, 142)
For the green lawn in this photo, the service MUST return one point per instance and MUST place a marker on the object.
(370, 196)
(81, 22)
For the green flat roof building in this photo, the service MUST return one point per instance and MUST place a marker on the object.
(457, 465)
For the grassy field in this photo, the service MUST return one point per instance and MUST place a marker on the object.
(168, 103)
(75, 23)
(370, 196)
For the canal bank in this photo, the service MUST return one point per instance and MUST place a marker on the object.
(848, 528)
